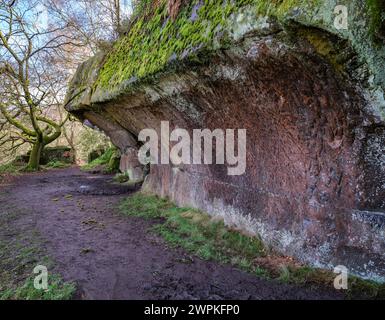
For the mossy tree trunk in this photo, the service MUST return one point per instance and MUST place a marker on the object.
(21, 110)
(34, 158)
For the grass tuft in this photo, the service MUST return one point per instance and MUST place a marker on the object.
(197, 232)
(57, 290)
(9, 168)
(57, 165)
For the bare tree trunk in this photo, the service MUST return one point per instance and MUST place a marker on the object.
(117, 16)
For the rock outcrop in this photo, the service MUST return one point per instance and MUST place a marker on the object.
(310, 94)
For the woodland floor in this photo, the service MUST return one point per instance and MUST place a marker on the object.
(73, 218)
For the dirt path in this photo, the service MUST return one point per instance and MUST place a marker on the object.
(114, 257)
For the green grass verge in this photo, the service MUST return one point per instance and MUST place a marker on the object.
(196, 232)
(210, 239)
(57, 290)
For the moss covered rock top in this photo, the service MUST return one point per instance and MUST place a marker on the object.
(155, 40)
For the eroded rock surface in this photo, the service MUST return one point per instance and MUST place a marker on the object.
(311, 99)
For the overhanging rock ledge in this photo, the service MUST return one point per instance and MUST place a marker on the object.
(310, 96)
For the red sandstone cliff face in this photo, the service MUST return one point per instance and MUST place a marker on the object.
(314, 185)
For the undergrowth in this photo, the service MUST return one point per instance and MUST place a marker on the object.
(9, 168)
(106, 160)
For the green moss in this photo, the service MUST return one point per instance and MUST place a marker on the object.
(121, 178)
(57, 164)
(57, 290)
(156, 43)
(376, 10)
(85, 76)
(109, 159)
(153, 42)
(325, 46)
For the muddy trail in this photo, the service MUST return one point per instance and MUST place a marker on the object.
(110, 256)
